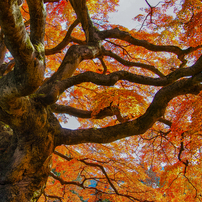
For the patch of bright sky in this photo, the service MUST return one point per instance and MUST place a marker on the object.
(71, 124)
(127, 10)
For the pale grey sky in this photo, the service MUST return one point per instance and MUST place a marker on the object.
(127, 10)
(71, 124)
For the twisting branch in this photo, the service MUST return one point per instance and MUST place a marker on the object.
(81, 113)
(67, 39)
(71, 61)
(51, 93)
(137, 126)
(29, 58)
(18, 42)
(107, 111)
(82, 14)
(125, 36)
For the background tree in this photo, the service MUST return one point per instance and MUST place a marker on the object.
(136, 95)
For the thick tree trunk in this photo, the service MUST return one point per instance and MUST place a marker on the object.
(25, 155)
(28, 189)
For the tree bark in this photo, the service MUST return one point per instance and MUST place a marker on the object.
(29, 131)
(25, 155)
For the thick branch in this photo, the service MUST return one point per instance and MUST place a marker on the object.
(11, 22)
(82, 14)
(56, 108)
(139, 125)
(29, 68)
(108, 80)
(37, 21)
(75, 54)
(122, 35)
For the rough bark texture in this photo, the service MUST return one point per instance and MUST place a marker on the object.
(29, 131)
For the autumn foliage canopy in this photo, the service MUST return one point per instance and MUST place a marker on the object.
(135, 93)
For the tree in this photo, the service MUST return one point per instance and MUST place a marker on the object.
(138, 90)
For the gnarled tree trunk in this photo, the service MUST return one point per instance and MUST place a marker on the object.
(29, 131)
(25, 155)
